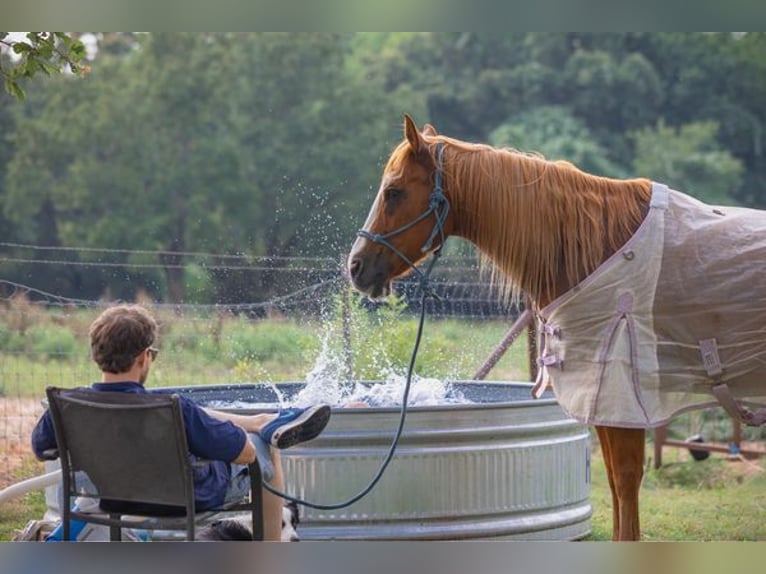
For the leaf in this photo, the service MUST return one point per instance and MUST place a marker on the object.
(22, 48)
(14, 89)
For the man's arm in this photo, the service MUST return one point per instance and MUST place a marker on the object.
(43, 436)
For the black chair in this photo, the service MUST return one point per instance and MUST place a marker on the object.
(133, 448)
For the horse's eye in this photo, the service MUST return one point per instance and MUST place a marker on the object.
(393, 194)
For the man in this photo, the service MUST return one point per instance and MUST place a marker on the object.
(123, 344)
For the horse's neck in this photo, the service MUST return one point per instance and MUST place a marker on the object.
(544, 226)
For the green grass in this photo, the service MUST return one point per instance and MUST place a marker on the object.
(44, 349)
(15, 514)
(684, 500)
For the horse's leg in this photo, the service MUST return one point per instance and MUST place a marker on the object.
(624, 458)
(607, 454)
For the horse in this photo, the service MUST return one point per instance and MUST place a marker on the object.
(543, 228)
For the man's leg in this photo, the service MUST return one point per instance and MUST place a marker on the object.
(272, 504)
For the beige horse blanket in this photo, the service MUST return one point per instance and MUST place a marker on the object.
(673, 321)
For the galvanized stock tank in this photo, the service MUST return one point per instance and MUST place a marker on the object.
(504, 466)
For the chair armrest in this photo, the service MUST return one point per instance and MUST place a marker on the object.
(50, 454)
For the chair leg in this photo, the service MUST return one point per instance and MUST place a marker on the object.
(115, 532)
(256, 495)
(66, 523)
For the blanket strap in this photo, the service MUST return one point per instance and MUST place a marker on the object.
(743, 414)
(711, 360)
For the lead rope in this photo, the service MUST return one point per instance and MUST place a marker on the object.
(437, 200)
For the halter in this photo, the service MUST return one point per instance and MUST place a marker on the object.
(438, 205)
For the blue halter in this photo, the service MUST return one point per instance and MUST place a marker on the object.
(439, 206)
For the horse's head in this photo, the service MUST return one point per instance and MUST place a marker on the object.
(409, 217)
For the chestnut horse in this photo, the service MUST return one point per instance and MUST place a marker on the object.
(543, 226)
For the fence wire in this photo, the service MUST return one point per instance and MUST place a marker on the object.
(44, 336)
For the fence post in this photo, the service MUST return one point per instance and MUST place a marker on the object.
(522, 321)
(348, 352)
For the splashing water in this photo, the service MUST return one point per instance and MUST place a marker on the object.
(328, 382)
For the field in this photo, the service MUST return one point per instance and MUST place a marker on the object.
(721, 498)
(40, 347)
(716, 499)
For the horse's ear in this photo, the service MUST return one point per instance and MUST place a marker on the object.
(412, 134)
(428, 130)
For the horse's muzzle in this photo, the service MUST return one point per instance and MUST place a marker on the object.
(370, 274)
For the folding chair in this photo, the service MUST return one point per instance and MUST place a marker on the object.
(133, 448)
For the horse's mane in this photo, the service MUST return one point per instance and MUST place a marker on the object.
(542, 225)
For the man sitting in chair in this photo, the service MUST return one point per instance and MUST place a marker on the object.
(123, 340)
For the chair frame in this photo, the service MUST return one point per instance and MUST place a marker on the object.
(169, 506)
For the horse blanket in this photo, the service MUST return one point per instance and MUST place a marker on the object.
(674, 319)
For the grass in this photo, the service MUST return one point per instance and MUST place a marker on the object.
(684, 500)
(15, 514)
(714, 499)
(38, 348)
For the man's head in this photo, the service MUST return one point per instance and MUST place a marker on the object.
(120, 335)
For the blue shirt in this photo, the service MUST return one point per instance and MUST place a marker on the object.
(219, 442)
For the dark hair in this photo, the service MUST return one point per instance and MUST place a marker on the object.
(119, 335)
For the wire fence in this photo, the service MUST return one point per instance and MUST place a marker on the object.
(44, 337)
(314, 326)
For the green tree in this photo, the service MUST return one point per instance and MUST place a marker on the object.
(612, 94)
(254, 145)
(314, 130)
(136, 160)
(556, 134)
(688, 159)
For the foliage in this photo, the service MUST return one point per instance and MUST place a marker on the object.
(557, 134)
(39, 52)
(51, 342)
(39, 347)
(180, 150)
(377, 340)
(688, 159)
(267, 341)
(205, 161)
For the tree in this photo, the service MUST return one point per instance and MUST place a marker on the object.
(270, 145)
(556, 134)
(39, 52)
(268, 153)
(688, 159)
